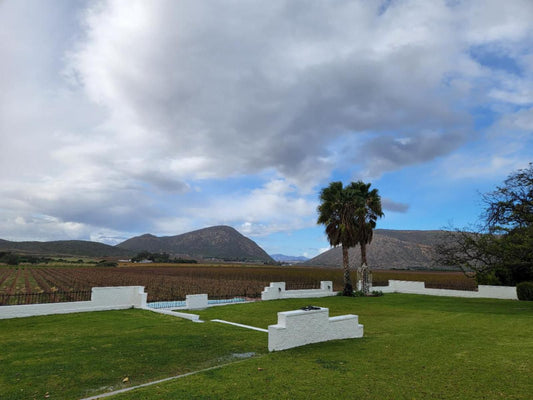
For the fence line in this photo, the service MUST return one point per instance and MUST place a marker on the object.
(44, 297)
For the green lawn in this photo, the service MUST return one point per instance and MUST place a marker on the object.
(414, 347)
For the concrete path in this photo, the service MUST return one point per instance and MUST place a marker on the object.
(240, 325)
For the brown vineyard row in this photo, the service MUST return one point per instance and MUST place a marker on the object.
(171, 282)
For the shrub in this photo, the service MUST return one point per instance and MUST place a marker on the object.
(105, 263)
(524, 290)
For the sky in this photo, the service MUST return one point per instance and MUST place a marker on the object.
(119, 118)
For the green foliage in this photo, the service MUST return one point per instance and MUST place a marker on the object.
(160, 258)
(377, 293)
(501, 252)
(105, 263)
(11, 259)
(349, 215)
(524, 290)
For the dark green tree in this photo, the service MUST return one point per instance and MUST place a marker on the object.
(500, 250)
(349, 215)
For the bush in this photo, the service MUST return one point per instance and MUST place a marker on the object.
(105, 263)
(524, 290)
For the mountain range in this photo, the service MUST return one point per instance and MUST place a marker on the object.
(399, 249)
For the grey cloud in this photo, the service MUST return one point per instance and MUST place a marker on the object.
(389, 153)
(394, 206)
(250, 88)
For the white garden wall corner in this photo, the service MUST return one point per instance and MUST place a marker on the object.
(102, 298)
(277, 291)
(300, 327)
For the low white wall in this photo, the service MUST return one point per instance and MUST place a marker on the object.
(102, 298)
(484, 291)
(196, 301)
(277, 291)
(301, 327)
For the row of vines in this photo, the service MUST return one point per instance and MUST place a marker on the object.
(175, 282)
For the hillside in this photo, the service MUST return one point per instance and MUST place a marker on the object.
(64, 248)
(389, 249)
(216, 242)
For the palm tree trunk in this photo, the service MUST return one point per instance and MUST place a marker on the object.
(364, 269)
(348, 288)
(363, 253)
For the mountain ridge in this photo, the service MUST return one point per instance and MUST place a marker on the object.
(390, 249)
(64, 248)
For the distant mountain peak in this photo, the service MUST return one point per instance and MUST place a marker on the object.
(220, 242)
(286, 258)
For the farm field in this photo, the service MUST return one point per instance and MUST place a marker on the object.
(414, 347)
(173, 282)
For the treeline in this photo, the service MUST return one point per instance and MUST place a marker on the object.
(161, 258)
(9, 258)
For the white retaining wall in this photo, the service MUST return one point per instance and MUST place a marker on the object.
(102, 298)
(301, 327)
(196, 301)
(484, 291)
(277, 291)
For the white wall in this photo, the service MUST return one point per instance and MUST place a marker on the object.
(277, 291)
(301, 327)
(102, 298)
(484, 291)
(196, 301)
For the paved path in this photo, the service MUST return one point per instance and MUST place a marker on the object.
(241, 325)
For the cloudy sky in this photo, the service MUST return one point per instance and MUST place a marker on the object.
(119, 118)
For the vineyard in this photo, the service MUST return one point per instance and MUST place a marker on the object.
(31, 284)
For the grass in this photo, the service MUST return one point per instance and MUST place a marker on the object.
(414, 347)
(79, 355)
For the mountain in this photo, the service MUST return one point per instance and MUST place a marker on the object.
(389, 249)
(64, 248)
(216, 242)
(288, 259)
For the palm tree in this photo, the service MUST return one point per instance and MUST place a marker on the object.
(367, 211)
(336, 212)
(349, 214)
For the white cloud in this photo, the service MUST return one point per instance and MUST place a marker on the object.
(115, 116)
(275, 207)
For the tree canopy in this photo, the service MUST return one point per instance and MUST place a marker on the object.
(349, 215)
(500, 251)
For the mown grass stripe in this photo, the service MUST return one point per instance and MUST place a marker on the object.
(125, 390)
